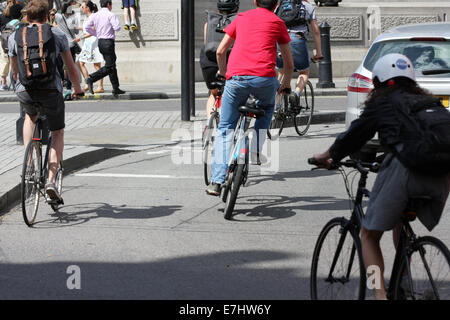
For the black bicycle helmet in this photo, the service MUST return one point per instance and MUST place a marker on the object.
(228, 5)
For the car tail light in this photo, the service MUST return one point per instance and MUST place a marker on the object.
(427, 39)
(359, 83)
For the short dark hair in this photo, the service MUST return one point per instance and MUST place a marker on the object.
(104, 3)
(267, 4)
(37, 10)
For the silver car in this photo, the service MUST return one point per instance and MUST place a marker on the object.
(426, 45)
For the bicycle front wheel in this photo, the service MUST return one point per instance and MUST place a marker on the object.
(277, 123)
(208, 145)
(30, 184)
(337, 271)
(303, 115)
(236, 181)
(429, 262)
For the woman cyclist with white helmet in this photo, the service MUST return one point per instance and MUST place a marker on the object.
(394, 81)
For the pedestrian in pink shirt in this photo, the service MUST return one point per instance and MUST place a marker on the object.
(104, 25)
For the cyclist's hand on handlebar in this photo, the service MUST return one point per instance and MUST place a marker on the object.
(322, 160)
(316, 58)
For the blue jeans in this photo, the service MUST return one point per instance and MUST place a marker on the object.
(235, 94)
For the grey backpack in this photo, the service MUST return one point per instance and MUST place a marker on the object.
(217, 22)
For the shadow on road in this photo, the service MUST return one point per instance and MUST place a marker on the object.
(221, 275)
(81, 213)
(273, 207)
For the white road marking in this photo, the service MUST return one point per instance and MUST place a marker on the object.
(127, 175)
(158, 152)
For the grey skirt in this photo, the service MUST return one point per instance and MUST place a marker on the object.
(393, 187)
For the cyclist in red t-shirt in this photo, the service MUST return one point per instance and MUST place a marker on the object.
(250, 70)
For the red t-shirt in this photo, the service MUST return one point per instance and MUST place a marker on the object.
(256, 33)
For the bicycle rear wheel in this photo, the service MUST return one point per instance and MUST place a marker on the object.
(337, 271)
(30, 184)
(303, 115)
(208, 145)
(429, 262)
(236, 181)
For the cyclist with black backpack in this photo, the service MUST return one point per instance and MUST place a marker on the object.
(414, 129)
(212, 36)
(33, 49)
(299, 15)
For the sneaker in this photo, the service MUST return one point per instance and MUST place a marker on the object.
(213, 189)
(294, 102)
(126, 27)
(134, 27)
(4, 87)
(51, 192)
(68, 95)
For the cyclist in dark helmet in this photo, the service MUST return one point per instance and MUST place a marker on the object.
(396, 92)
(226, 12)
(228, 5)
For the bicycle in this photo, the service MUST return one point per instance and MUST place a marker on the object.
(210, 131)
(237, 173)
(35, 173)
(345, 271)
(301, 115)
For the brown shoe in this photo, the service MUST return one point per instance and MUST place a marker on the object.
(99, 90)
(86, 88)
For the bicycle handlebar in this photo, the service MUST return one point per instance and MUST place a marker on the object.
(356, 164)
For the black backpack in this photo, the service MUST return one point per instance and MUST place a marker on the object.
(425, 134)
(214, 32)
(292, 12)
(6, 32)
(37, 65)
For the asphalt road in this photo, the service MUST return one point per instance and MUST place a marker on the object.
(321, 103)
(140, 226)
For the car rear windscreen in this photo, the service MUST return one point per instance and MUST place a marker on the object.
(425, 55)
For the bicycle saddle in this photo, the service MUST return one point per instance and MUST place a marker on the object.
(258, 113)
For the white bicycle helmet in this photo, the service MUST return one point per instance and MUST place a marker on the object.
(393, 65)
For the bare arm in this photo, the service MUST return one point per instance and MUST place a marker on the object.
(288, 66)
(14, 67)
(317, 41)
(71, 69)
(221, 54)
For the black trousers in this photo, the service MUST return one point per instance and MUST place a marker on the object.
(107, 49)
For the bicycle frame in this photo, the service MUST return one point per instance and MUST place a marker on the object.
(37, 136)
(240, 134)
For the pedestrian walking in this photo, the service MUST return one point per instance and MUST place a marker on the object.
(68, 23)
(104, 25)
(9, 21)
(90, 52)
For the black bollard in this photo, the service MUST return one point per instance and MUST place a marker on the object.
(186, 86)
(325, 67)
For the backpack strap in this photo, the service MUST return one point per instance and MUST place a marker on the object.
(41, 49)
(25, 51)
